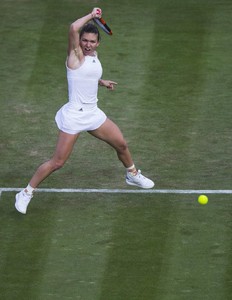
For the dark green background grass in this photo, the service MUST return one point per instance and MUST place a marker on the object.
(172, 61)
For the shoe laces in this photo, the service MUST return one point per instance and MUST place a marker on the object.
(27, 196)
(137, 175)
(140, 175)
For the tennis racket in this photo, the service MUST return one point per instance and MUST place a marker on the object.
(102, 24)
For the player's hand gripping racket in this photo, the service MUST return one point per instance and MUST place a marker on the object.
(102, 24)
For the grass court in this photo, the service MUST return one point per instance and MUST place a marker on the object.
(172, 61)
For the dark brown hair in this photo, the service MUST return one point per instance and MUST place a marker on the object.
(90, 28)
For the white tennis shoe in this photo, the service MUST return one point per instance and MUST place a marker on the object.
(22, 201)
(139, 180)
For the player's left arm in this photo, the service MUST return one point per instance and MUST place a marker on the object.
(109, 84)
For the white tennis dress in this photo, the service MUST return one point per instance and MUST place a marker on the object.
(81, 113)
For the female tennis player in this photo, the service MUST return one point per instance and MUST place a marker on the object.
(81, 113)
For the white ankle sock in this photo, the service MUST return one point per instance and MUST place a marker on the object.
(29, 190)
(131, 168)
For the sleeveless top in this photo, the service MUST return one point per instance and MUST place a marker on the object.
(83, 82)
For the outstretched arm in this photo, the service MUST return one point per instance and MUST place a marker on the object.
(109, 84)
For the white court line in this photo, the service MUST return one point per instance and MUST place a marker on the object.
(122, 191)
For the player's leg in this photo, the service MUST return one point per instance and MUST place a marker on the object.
(111, 134)
(62, 152)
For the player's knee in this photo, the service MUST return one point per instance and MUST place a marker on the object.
(122, 147)
(58, 164)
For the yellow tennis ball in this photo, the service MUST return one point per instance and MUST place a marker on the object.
(203, 199)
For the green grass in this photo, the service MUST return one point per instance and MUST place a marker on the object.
(172, 61)
(116, 247)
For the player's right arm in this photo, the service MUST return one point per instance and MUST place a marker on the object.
(75, 53)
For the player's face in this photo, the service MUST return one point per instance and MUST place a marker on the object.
(89, 43)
